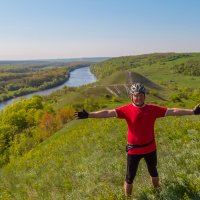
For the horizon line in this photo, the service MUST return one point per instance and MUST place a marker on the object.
(79, 58)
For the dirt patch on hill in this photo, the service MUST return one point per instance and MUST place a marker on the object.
(133, 77)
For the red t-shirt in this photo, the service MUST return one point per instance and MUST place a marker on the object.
(140, 121)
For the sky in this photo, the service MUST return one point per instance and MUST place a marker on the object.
(53, 29)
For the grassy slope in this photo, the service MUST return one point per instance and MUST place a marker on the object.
(162, 73)
(86, 160)
(98, 91)
(157, 67)
(79, 161)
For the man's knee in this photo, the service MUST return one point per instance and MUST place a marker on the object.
(153, 171)
(129, 178)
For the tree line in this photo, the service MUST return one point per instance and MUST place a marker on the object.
(17, 84)
(20, 80)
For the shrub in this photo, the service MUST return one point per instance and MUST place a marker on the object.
(47, 124)
(63, 116)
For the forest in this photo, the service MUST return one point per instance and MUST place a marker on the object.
(19, 79)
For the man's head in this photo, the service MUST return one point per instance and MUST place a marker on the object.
(137, 93)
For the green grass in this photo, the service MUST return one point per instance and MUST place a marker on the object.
(87, 160)
(163, 74)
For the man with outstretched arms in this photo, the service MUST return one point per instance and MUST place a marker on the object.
(140, 118)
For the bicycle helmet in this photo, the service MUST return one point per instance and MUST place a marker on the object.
(137, 88)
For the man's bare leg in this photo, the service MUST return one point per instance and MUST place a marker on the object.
(155, 181)
(128, 189)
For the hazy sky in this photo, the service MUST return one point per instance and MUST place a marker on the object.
(40, 29)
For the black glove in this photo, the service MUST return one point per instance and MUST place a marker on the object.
(196, 109)
(81, 115)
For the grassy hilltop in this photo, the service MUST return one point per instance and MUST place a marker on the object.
(86, 159)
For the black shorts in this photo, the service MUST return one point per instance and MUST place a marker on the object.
(133, 161)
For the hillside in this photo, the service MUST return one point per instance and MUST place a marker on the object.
(114, 86)
(86, 159)
(163, 68)
(158, 72)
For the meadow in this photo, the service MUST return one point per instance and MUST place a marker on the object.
(87, 160)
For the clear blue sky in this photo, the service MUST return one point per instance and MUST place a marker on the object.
(40, 29)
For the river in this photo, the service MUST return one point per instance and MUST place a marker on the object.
(78, 77)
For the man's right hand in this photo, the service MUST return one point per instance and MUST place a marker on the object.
(81, 115)
(196, 109)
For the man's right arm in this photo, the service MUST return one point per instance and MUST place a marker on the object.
(102, 114)
(98, 114)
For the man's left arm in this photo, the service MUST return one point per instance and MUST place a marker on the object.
(181, 112)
